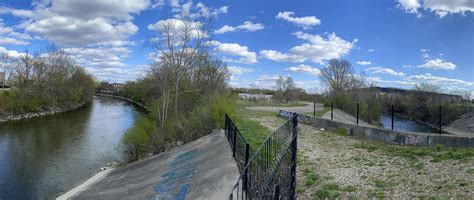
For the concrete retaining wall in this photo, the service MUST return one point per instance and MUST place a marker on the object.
(385, 135)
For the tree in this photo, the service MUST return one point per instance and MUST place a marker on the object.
(182, 42)
(339, 76)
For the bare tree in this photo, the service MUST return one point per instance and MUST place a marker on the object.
(182, 42)
(339, 76)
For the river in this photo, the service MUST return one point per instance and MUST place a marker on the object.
(42, 158)
(404, 124)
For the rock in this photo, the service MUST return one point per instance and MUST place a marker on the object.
(179, 143)
(322, 129)
(150, 154)
(103, 168)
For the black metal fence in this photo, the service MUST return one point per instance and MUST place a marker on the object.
(240, 148)
(271, 172)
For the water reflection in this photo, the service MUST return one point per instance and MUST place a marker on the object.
(404, 124)
(44, 157)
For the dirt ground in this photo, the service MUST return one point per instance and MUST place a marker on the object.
(332, 165)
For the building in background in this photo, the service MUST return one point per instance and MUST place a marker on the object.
(109, 88)
(255, 96)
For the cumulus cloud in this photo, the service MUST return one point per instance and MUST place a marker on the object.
(11, 53)
(364, 62)
(114, 74)
(9, 36)
(440, 7)
(105, 57)
(236, 70)
(306, 22)
(246, 26)
(304, 69)
(235, 49)
(382, 70)
(437, 80)
(438, 64)
(370, 50)
(316, 49)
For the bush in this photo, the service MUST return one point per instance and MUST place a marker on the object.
(220, 107)
(136, 140)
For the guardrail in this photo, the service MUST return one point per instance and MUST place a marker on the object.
(271, 172)
(240, 147)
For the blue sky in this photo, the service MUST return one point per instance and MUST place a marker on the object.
(395, 43)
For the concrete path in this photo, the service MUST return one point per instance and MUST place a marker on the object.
(203, 169)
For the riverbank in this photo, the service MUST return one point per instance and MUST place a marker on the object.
(141, 105)
(29, 115)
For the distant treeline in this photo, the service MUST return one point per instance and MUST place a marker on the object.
(44, 81)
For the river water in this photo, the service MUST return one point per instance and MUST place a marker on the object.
(43, 158)
(404, 124)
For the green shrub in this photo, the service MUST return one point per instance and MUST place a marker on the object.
(137, 139)
(221, 106)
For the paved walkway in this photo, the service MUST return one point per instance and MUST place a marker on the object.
(203, 169)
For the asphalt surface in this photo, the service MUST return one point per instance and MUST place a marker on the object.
(202, 169)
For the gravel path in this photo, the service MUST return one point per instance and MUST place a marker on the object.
(299, 109)
(330, 164)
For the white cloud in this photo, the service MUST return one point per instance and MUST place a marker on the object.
(110, 9)
(280, 57)
(73, 31)
(424, 53)
(11, 53)
(235, 70)
(364, 62)
(304, 69)
(104, 57)
(10, 36)
(235, 49)
(437, 80)
(382, 70)
(115, 74)
(306, 22)
(440, 7)
(438, 64)
(246, 26)
(370, 50)
(177, 24)
(317, 49)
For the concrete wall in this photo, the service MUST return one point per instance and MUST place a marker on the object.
(385, 135)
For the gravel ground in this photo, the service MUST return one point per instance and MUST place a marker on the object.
(331, 166)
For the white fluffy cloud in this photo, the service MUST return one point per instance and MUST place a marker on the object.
(438, 64)
(9, 36)
(364, 62)
(235, 49)
(304, 69)
(437, 80)
(382, 70)
(246, 26)
(440, 7)
(105, 57)
(11, 53)
(236, 70)
(316, 49)
(306, 22)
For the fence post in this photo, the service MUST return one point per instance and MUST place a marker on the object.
(247, 154)
(332, 108)
(392, 117)
(226, 126)
(294, 146)
(276, 196)
(234, 142)
(440, 120)
(357, 113)
(314, 108)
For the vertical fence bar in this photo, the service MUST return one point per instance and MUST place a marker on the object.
(276, 196)
(234, 142)
(440, 120)
(314, 108)
(247, 154)
(293, 156)
(392, 117)
(332, 109)
(357, 113)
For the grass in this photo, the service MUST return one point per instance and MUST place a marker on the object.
(438, 153)
(470, 171)
(330, 190)
(243, 102)
(319, 113)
